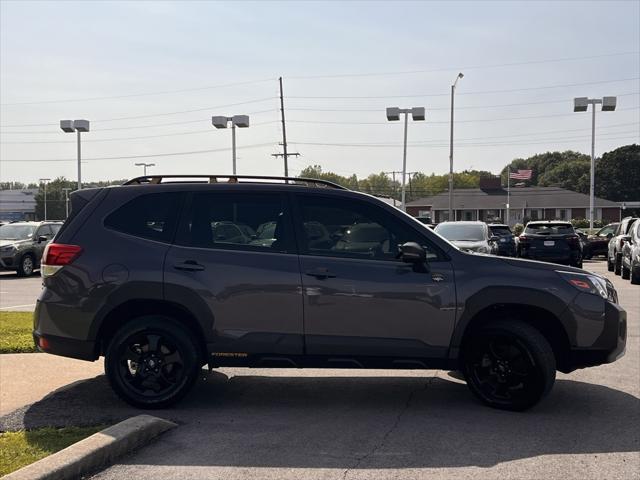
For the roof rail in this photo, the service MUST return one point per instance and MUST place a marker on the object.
(158, 179)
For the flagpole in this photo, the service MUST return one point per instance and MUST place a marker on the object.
(508, 192)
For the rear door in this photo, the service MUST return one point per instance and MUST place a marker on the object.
(247, 292)
(359, 300)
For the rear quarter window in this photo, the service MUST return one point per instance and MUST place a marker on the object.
(152, 216)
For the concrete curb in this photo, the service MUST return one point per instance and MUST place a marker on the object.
(95, 451)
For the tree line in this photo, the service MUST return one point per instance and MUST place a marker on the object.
(617, 179)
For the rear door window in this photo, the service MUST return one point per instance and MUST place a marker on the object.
(237, 221)
(550, 229)
(153, 216)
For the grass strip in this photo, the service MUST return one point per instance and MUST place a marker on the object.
(15, 332)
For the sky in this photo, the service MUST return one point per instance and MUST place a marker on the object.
(149, 76)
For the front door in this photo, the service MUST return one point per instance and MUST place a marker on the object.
(359, 299)
(234, 264)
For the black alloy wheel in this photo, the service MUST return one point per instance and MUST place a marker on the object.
(152, 362)
(509, 365)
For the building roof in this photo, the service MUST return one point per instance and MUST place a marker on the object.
(521, 197)
(22, 201)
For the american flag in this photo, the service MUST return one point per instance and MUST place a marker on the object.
(521, 175)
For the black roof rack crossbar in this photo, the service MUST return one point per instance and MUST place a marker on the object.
(157, 179)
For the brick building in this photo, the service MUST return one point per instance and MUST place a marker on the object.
(489, 202)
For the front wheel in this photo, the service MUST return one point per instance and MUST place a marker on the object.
(617, 266)
(508, 365)
(626, 273)
(635, 274)
(152, 362)
(26, 266)
(610, 265)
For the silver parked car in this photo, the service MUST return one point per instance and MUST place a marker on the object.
(469, 236)
(631, 254)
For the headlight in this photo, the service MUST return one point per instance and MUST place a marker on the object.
(7, 249)
(589, 284)
(483, 250)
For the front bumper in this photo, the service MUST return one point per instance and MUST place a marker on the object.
(610, 345)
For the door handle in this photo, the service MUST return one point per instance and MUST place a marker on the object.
(320, 273)
(189, 266)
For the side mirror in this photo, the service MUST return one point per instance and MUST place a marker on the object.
(42, 238)
(411, 252)
(494, 238)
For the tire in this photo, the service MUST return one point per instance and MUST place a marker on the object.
(577, 264)
(610, 265)
(617, 267)
(635, 274)
(491, 356)
(625, 273)
(152, 362)
(26, 266)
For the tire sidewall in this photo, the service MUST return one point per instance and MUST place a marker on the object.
(21, 271)
(538, 349)
(183, 339)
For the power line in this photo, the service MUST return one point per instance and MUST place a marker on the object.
(128, 157)
(458, 68)
(377, 110)
(148, 94)
(321, 122)
(482, 92)
(162, 114)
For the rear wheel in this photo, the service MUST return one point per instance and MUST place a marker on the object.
(26, 266)
(635, 274)
(152, 362)
(626, 273)
(610, 265)
(617, 267)
(509, 365)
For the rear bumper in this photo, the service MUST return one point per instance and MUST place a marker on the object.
(65, 347)
(610, 345)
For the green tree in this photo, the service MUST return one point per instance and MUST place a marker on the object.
(618, 174)
(56, 204)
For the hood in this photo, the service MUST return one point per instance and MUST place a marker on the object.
(4, 243)
(526, 263)
(469, 244)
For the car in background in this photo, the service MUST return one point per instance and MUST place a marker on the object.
(631, 255)
(598, 243)
(551, 241)
(22, 245)
(614, 254)
(469, 236)
(425, 219)
(506, 239)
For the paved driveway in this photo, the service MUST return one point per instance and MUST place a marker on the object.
(19, 294)
(336, 424)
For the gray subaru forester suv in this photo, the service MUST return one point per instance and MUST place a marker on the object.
(319, 276)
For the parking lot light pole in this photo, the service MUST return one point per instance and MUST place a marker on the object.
(581, 104)
(66, 201)
(70, 126)
(144, 166)
(453, 91)
(393, 114)
(241, 121)
(44, 181)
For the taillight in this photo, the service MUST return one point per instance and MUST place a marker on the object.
(56, 256)
(573, 241)
(524, 240)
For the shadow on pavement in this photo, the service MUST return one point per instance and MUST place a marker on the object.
(347, 422)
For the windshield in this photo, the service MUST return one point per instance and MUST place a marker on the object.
(549, 229)
(457, 232)
(500, 231)
(16, 232)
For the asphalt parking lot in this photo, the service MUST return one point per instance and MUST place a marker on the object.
(337, 424)
(18, 294)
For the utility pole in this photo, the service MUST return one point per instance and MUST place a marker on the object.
(285, 154)
(66, 201)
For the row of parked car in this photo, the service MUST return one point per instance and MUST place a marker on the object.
(22, 245)
(553, 241)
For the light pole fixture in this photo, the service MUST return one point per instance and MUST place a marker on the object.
(453, 91)
(70, 126)
(66, 201)
(393, 114)
(241, 121)
(44, 181)
(581, 104)
(144, 166)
